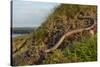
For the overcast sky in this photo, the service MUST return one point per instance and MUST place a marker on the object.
(29, 13)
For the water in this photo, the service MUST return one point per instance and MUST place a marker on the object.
(16, 35)
(30, 14)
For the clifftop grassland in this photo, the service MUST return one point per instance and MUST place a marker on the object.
(63, 38)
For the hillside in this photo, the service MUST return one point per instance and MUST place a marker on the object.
(63, 38)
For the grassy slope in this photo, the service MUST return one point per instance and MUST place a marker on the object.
(80, 50)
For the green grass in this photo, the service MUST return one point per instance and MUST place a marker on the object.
(84, 50)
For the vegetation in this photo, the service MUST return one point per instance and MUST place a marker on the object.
(78, 47)
(79, 51)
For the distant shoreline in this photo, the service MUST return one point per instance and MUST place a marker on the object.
(19, 31)
(22, 30)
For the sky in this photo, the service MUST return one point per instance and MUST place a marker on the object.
(29, 13)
